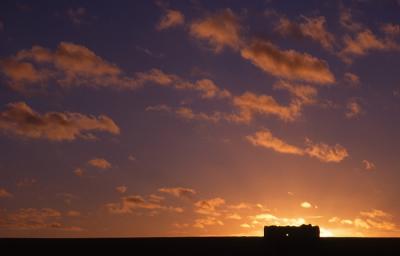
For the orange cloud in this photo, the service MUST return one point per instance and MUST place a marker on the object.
(368, 165)
(129, 204)
(312, 27)
(121, 189)
(264, 138)
(33, 218)
(21, 120)
(4, 193)
(220, 29)
(391, 29)
(326, 153)
(187, 113)
(375, 213)
(354, 108)
(364, 42)
(79, 172)
(346, 20)
(352, 79)
(303, 93)
(207, 221)
(321, 151)
(206, 87)
(270, 219)
(288, 64)
(250, 103)
(209, 207)
(21, 73)
(373, 220)
(306, 205)
(100, 163)
(73, 213)
(171, 18)
(179, 192)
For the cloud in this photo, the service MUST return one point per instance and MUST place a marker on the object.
(34, 218)
(321, 151)
(22, 73)
(233, 216)
(76, 15)
(148, 52)
(21, 120)
(368, 165)
(219, 29)
(375, 213)
(364, 42)
(72, 65)
(79, 172)
(4, 193)
(179, 192)
(207, 221)
(306, 205)
(249, 103)
(360, 223)
(305, 94)
(100, 163)
(264, 138)
(155, 198)
(326, 153)
(311, 27)
(372, 220)
(271, 219)
(346, 20)
(69, 65)
(240, 206)
(352, 79)
(67, 197)
(354, 109)
(391, 29)
(288, 64)
(206, 87)
(209, 207)
(129, 204)
(171, 18)
(187, 113)
(121, 189)
(73, 213)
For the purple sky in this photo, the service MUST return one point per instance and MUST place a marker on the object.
(193, 118)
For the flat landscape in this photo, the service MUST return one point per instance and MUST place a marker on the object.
(206, 246)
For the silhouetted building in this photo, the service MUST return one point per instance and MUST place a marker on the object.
(303, 232)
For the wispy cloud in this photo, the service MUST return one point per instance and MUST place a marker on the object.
(179, 192)
(4, 193)
(171, 18)
(100, 163)
(264, 138)
(321, 151)
(21, 120)
(220, 29)
(288, 64)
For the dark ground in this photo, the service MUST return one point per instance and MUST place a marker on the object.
(201, 246)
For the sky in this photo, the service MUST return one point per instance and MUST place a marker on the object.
(199, 118)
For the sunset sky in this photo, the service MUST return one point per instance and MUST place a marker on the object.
(199, 118)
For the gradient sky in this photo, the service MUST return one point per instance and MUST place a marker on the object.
(196, 118)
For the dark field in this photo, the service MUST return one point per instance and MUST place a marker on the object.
(202, 246)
